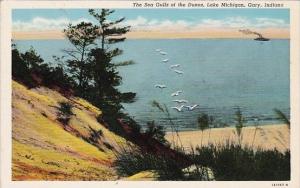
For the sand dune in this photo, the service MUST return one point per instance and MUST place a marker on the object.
(276, 33)
(267, 137)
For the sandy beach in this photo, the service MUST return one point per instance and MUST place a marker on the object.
(276, 33)
(267, 137)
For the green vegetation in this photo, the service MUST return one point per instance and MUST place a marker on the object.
(232, 162)
(204, 122)
(31, 70)
(131, 161)
(282, 117)
(82, 36)
(255, 131)
(229, 162)
(91, 74)
(87, 70)
(125, 63)
(155, 131)
(93, 69)
(164, 109)
(64, 113)
(43, 149)
(239, 125)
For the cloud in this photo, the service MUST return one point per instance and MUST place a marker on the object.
(141, 23)
(270, 22)
(40, 24)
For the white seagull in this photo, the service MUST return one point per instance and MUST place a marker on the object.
(158, 50)
(191, 107)
(176, 93)
(180, 101)
(165, 60)
(178, 108)
(178, 71)
(174, 66)
(163, 53)
(161, 86)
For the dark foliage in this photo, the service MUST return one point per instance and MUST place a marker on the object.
(95, 135)
(234, 163)
(29, 68)
(228, 163)
(156, 131)
(20, 69)
(204, 122)
(82, 36)
(90, 64)
(64, 112)
(132, 161)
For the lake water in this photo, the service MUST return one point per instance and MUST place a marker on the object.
(219, 75)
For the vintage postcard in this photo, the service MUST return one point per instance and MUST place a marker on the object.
(150, 93)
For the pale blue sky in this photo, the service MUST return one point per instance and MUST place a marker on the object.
(150, 17)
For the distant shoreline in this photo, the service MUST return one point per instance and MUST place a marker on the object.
(201, 34)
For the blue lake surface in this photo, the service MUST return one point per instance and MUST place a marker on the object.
(220, 75)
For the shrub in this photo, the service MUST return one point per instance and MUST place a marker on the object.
(156, 131)
(204, 122)
(64, 112)
(228, 162)
(232, 162)
(95, 135)
(131, 161)
(31, 70)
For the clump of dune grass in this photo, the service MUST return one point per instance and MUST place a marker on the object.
(281, 116)
(164, 109)
(228, 162)
(231, 162)
(204, 122)
(64, 112)
(239, 118)
(132, 160)
(157, 132)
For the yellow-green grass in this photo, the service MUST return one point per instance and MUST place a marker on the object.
(35, 163)
(143, 176)
(45, 149)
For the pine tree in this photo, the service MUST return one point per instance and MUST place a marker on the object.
(92, 67)
(108, 31)
(82, 36)
(104, 72)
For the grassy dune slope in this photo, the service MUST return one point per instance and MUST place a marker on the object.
(44, 149)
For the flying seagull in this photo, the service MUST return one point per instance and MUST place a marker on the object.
(176, 93)
(191, 107)
(180, 101)
(178, 108)
(163, 53)
(174, 66)
(178, 71)
(165, 60)
(161, 86)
